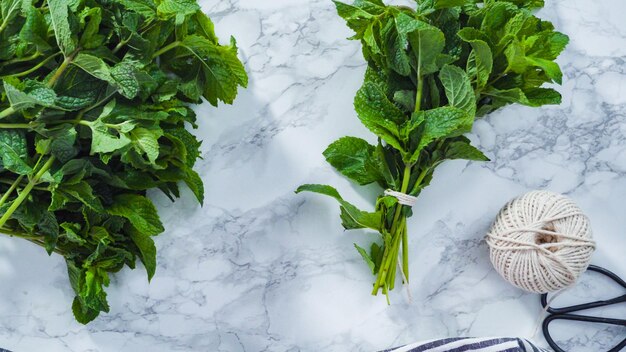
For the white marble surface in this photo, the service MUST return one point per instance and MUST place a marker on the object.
(262, 269)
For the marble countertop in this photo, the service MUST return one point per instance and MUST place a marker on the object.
(259, 268)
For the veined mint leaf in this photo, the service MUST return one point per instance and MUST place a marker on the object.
(481, 63)
(146, 8)
(213, 71)
(139, 211)
(39, 96)
(35, 30)
(14, 151)
(355, 158)
(105, 141)
(379, 114)
(458, 88)
(427, 45)
(146, 247)
(460, 148)
(352, 217)
(59, 15)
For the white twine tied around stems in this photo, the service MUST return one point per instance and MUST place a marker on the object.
(402, 198)
(541, 242)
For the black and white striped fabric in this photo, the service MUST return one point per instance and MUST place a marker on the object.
(494, 344)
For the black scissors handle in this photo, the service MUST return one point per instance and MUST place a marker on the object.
(564, 313)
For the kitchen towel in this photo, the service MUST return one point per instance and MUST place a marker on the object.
(493, 344)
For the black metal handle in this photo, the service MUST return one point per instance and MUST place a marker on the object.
(564, 312)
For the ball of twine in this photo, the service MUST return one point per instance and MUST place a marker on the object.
(541, 242)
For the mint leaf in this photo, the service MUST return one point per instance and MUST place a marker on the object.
(14, 151)
(139, 211)
(427, 45)
(59, 15)
(458, 88)
(352, 217)
(355, 158)
(195, 184)
(145, 8)
(379, 114)
(366, 257)
(35, 30)
(106, 139)
(9, 9)
(21, 100)
(177, 8)
(462, 149)
(209, 70)
(481, 63)
(146, 247)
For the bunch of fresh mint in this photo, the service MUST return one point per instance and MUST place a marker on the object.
(95, 96)
(432, 70)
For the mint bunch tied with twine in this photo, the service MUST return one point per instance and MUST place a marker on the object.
(95, 101)
(433, 68)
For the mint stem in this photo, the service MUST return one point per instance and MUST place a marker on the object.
(8, 193)
(166, 48)
(34, 68)
(7, 112)
(15, 125)
(26, 191)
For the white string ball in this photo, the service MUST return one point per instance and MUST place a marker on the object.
(541, 242)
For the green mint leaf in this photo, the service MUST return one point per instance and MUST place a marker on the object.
(427, 45)
(9, 9)
(14, 151)
(458, 88)
(91, 19)
(187, 145)
(62, 146)
(355, 158)
(460, 148)
(441, 4)
(481, 62)
(146, 8)
(91, 285)
(195, 184)
(35, 30)
(59, 15)
(94, 66)
(440, 123)
(75, 192)
(82, 313)
(125, 79)
(38, 96)
(147, 249)
(177, 8)
(106, 139)
(139, 211)
(71, 233)
(379, 114)
(366, 257)
(352, 217)
(534, 97)
(218, 80)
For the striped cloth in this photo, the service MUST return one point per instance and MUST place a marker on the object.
(494, 344)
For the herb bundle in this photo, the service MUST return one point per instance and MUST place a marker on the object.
(94, 100)
(431, 71)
